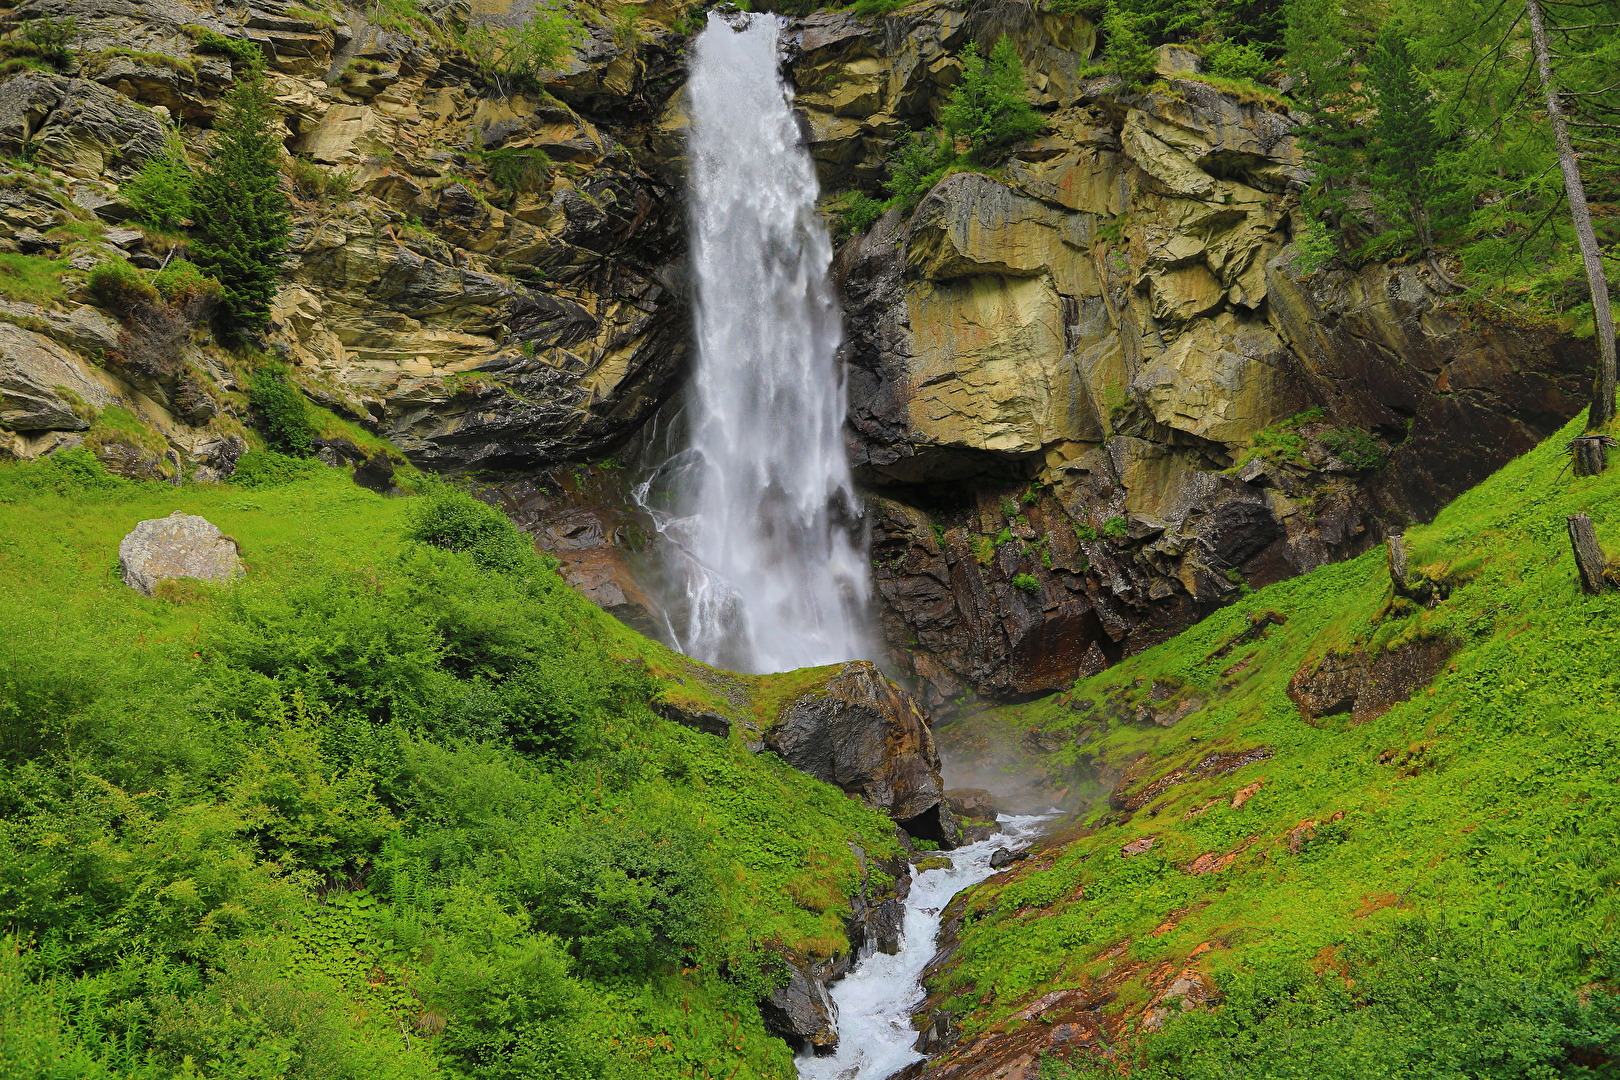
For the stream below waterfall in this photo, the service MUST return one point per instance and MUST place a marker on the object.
(876, 1001)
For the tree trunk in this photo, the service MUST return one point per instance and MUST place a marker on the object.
(1602, 410)
(1588, 454)
(1589, 559)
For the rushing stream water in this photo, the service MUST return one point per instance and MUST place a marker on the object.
(876, 1000)
(764, 568)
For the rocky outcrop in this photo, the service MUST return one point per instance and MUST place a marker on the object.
(864, 735)
(179, 546)
(479, 325)
(1093, 394)
(1362, 686)
(801, 1012)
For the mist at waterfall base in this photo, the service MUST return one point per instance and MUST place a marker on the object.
(761, 566)
(876, 1000)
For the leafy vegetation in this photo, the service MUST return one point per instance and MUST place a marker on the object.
(1418, 891)
(281, 410)
(319, 823)
(519, 56)
(160, 190)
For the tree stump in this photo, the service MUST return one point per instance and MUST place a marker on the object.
(1588, 454)
(1589, 559)
(1398, 570)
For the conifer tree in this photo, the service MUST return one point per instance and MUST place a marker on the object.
(1405, 144)
(239, 207)
(990, 107)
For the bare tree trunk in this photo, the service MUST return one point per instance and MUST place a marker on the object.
(1602, 410)
(1589, 559)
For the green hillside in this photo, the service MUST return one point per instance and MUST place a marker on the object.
(379, 810)
(1427, 892)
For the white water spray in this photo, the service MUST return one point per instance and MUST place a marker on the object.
(766, 573)
(876, 1000)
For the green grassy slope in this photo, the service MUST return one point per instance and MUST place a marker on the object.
(1432, 892)
(378, 810)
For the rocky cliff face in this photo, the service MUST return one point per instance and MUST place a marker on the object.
(474, 325)
(1091, 393)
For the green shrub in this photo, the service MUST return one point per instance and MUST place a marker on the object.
(916, 166)
(282, 412)
(853, 213)
(455, 521)
(521, 55)
(314, 181)
(1355, 447)
(1232, 60)
(242, 53)
(77, 469)
(1026, 582)
(1084, 532)
(513, 1010)
(1116, 528)
(160, 192)
(267, 468)
(181, 281)
(518, 169)
(53, 37)
(1127, 51)
(990, 107)
(627, 900)
(119, 286)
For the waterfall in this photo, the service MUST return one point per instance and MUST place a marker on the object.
(764, 569)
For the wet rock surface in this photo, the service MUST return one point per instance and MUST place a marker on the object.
(866, 736)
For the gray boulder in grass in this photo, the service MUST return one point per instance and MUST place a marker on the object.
(180, 545)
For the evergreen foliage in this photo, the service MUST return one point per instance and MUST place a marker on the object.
(990, 108)
(160, 191)
(240, 210)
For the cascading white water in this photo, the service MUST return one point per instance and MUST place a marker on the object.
(876, 1000)
(766, 573)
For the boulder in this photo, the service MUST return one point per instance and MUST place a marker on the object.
(974, 803)
(802, 1012)
(179, 546)
(863, 734)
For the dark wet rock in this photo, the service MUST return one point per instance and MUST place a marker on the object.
(1002, 857)
(866, 736)
(710, 723)
(802, 1012)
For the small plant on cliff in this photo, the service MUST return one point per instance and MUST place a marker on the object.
(519, 56)
(852, 213)
(1116, 528)
(1026, 583)
(990, 107)
(160, 191)
(240, 209)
